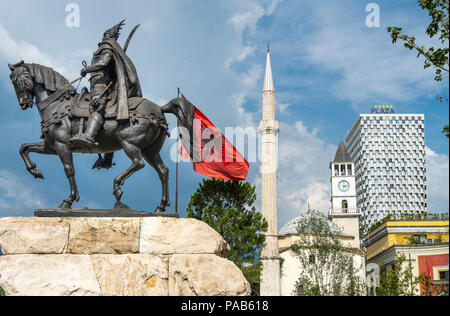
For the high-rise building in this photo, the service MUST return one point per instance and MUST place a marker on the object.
(269, 128)
(389, 155)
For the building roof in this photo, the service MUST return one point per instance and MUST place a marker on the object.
(342, 154)
(268, 78)
(291, 227)
(407, 227)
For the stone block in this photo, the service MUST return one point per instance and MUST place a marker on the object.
(132, 275)
(33, 235)
(48, 275)
(104, 236)
(205, 275)
(180, 236)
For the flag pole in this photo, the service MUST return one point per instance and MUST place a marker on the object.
(176, 181)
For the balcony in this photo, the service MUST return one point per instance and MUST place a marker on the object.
(344, 212)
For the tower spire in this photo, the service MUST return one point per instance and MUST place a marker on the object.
(268, 77)
(342, 154)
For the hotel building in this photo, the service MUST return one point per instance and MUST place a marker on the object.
(389, 155)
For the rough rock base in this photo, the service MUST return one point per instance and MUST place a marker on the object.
(115, 257)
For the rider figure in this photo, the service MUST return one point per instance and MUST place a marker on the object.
(113, 77)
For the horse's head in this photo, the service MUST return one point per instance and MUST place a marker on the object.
(23, 84)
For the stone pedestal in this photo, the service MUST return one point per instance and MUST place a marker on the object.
(116, 257)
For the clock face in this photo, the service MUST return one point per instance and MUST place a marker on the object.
(344, 186)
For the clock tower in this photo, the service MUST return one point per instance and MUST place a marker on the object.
(343, 183)
(344, 211)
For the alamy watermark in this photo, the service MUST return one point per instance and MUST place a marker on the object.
(73, 16)
(373, 18)
(212, 146)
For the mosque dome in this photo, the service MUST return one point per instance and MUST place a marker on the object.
(291, 227)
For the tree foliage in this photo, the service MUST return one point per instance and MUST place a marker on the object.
(398, 279)
(2, 293)
(429, 289)
(228, 207)
(326, 265)
(409, 217)
(446, 131)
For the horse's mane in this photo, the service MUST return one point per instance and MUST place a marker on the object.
(49, 78)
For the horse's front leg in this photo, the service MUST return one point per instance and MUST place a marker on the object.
(65, 154)
(39, 148)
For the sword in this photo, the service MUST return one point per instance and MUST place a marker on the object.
(130, 37)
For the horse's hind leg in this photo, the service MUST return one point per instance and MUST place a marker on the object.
(163, 172)
(135, 154)
(39, 148)
(65, 154)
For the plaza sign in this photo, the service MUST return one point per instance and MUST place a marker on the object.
(383, 109)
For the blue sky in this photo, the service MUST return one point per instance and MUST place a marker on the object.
(328, 67)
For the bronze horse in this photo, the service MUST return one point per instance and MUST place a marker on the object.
(141, 140)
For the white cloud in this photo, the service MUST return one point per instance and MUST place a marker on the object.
(244, 21)
(13, 50)
(371, 68)
(247, 20)
(303, 171)
(437, 181)
(352, 62)
(17, 197)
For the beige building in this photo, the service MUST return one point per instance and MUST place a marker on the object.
(291, 266)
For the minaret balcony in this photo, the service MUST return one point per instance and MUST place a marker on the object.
(269, 127)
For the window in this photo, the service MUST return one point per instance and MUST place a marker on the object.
(344, 206)
(349, 169)
(312, 259)
(443, 275)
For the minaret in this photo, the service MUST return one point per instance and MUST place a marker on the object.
(269, 128)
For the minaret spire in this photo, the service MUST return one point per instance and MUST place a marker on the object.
(269, 128)
(268, 77)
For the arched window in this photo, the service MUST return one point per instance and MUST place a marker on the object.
(344, 206)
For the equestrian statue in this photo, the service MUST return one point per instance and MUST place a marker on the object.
(110, 117)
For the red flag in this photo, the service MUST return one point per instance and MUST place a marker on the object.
(428, 269)
(217, 157)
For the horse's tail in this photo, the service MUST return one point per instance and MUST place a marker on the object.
(185, 112)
